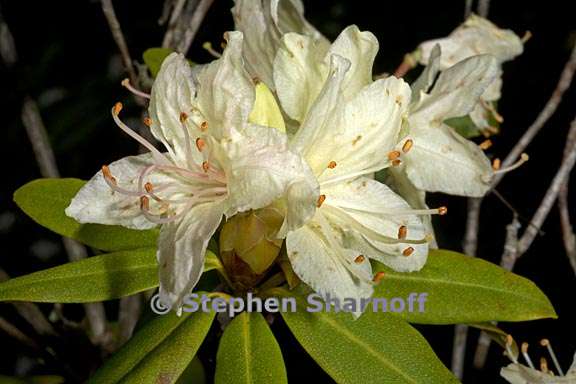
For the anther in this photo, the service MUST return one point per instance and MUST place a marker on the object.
(524, 350)
(183, 117)
(320, 200)
(393, 155)
(496, 164)
(543, 365)
(359, 259)
(148, 187)
(402, 232)
(126, 84)
(527, 36)
(378, 276)
(407, 145)
(332, 164)
(442, 211)
(205, 166)
(523, 158)
(408, 251)
(144, 203)
(108, 175)
(485, 144)
(396, 162)
(147, 121)
(200, 144)
(204, 126)
(117, 108)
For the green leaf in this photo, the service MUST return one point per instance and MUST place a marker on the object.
(193, 374)
(153, 58)
(248, 353)
(159, 352)
(96, 278)
(45, 200)
(376, 348)
(464, 126)
(463, 289)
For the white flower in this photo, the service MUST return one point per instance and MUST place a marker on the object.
(441, 160)
(264, 22)
(217, 163)
(477, 36)
(347, 123)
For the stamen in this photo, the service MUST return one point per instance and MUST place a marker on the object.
(378, 277)
(332, 164)
(208, 47)
(147, 121)
(523, 158)
(126, 84)
(108, 175)
(498, 117)
(396, 162)
(393, 155)
(509, 352)
(148, 187)
(200, 144)
(408, 251)
(205, 166)
(189, 158)
(204, 126)
(320, 200)
(144, 203)
(442, 211)
(546, 343)
(158, 156)
(407, 145)
(402, 232)
(359, 259)
(485, 144)
(524, 350)
(527, 36)
(543, 365)
(496, 164)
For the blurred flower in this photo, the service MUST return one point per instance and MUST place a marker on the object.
(477, 36)
(217, 163)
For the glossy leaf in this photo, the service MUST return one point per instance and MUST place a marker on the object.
(376, 348)
(96, 278)
(249, 353)
(153, 58)
(463, 289)
(45, 200)
(159, 352)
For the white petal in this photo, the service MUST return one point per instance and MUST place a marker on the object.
(225, 91)
(317, 264)
(456, 91)
(443, 161)
(261, 168)
(97, 203)
(173, 92)
(371, 214)
(299, 74)
(360, 49)
(181, 249)
(264, 23)
(428, 75)
(367, 130)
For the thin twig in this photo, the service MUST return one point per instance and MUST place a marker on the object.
(483, 8)
(468, 8)
(31, 313)
(197, 18)
(167, 42)
(130, 309)
(470, 248)
(114, 24)
(567, 230)
(7, 48)
(45, 158)
(549, 198)
(11, 330)
(547, 112)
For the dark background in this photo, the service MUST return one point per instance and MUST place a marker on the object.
(69, 63)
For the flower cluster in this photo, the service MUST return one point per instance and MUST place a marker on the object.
(287, 118)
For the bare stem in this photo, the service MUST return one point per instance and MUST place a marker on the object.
(118, 37)
(195, 22)
(547, 112)
(483, 8)
(468, 8)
